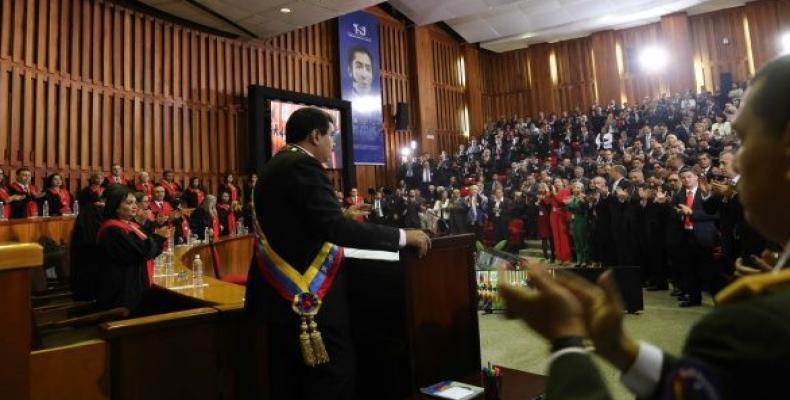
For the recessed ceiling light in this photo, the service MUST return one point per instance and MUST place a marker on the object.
(285, 10)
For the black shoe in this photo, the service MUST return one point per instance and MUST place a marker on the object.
(689, 303)
(656, 288)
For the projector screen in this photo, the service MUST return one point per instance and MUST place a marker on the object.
(282, 110)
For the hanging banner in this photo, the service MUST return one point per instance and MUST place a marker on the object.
(360, 84)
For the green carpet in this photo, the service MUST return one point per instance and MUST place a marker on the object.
(512, 344)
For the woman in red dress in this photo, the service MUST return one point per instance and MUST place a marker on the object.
(559, 218)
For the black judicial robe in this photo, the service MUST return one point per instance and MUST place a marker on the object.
(296, 207)
(84, 253)
(122, 275)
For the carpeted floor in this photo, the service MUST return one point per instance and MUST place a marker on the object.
(512, 344)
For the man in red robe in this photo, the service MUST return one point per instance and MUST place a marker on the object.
(26, 204)
(172, 189)
(116, 177)
(160, 207)
(144, 185)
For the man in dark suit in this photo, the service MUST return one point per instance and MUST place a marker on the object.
(741, 350)
(298, 213)
(699, 237)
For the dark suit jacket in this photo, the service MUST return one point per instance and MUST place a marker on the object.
(297, 210)
(703, 221)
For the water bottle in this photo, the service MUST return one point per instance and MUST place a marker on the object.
(205, 235)
(197, 270)
(239, 228)
(2, 211)
(75, 208)
(45, 209)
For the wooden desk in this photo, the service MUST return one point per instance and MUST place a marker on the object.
(16, 259)
(31, 229)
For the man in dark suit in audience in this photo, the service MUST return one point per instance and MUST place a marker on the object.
(299, 214)
(699, 237)
(740, 350)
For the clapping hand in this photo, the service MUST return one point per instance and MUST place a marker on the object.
(683, 209)
(661, 196)
(358, 210)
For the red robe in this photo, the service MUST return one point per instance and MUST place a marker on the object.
(6, 207)
(231, 189)
(110, 180)
(65, 200)
(164, 210)
(146, 188)
(171, 188)
(31, 208)
(355, 200)
(559, 224)
(230, 221)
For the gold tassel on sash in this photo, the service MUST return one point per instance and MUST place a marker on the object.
(306, 346)
(319, 350)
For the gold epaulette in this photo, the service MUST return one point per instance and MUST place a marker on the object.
(750, 286)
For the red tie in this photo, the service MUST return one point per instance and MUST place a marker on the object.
(689, 202)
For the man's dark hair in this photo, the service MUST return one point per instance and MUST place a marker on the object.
(23, 169)
(304, 121)
(352, 52)
(770, 102)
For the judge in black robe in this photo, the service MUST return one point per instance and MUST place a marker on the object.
(124, 249)
(91, 193)
(58, 198)
(84, 254)
(298, 212)
(204, 217)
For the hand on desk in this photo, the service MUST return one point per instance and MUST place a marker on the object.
(358, 210)
(418, 239)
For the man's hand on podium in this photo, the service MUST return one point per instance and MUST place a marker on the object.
(418, 239)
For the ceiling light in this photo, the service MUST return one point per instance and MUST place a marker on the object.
(285, 10)
(785, 40)
(653, 59)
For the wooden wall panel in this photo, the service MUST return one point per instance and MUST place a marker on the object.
(87, 83)
(709, 32)
(519, 81)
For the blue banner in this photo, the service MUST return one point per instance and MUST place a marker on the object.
(360, 83)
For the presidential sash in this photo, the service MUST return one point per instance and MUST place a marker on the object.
(304, 291)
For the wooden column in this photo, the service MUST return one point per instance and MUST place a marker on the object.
(474, 92)
(677, 42)
(424, 82)
(15, 316)
(607, 78)
(543, 94)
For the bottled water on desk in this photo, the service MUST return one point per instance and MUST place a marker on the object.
(45, 209)
(197, 271)
(239, 228)
(206, 235)
(2, 211)
(75, 209)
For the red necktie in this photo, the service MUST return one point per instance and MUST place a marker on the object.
(689, 202)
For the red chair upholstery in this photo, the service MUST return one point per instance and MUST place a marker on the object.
(239, 279)
(515, 231)
(488, 234)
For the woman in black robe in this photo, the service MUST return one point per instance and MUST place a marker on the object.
(204, 217)
(84, 253)
(125, 248)
(194, 194)
(58, 198)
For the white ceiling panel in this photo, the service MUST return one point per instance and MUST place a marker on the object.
(502, 25)
(261, 18)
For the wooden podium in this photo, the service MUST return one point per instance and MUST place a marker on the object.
(414, 321)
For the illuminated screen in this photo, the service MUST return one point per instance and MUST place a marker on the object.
(282, 110)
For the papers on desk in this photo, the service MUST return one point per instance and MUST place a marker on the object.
(190, 286)
(361, 254)
(452, 390)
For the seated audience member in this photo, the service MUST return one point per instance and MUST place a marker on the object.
(194, 193)
(205, 219)
(58, 198)
(126, 241)
(144, 207)
(27, 196)
(229, 185)
(91, 193)
(116, 177)
(740, 350)
(226, 210)
(172, 188)
(145, 185)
